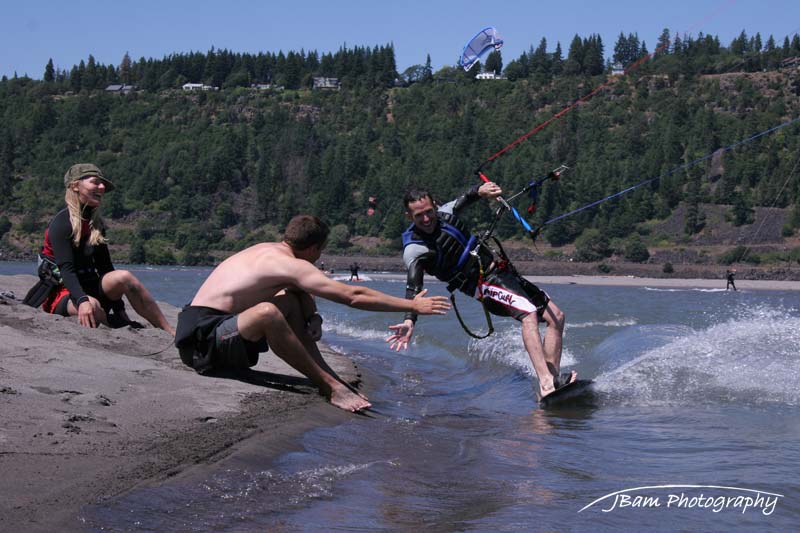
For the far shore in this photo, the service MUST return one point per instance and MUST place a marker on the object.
(624, 281)
(683, 274)
(633, 281)
(622, 275)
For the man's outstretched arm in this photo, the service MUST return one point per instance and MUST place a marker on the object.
(309, 278)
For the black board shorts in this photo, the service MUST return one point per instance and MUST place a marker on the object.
(505, 293)
(208, 339)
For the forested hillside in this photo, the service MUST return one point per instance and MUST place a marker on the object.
(210, 171)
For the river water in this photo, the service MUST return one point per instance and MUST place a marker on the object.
(694, 423)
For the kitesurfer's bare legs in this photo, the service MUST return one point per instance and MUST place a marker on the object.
(545, 356)
(266, 320)
(533, 345)
(553, 338)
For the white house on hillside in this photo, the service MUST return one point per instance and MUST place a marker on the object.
(198, 87)
(124, 89)
(488, 76)
(327, 83)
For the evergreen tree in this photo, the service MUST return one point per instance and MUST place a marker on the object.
(540, 62)
(695, 219)
(574, 63)
(635, 250)
(677, 45)
(90, 79)
(6, 184)
(593, 55)
(427, 73)
(49, 72)
(76, 76)
(494, 62)
(741, 211)
(757, 45)
(592, 245)
(739, 46)
(125, 70)
(558, 61)
(663, 43)
(621, 50)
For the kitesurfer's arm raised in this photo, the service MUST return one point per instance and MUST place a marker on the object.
(487, 190)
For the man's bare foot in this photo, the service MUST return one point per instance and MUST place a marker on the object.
(545, 388)
(565, 379)
(343, 398)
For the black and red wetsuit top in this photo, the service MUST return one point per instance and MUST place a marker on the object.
(81, 267)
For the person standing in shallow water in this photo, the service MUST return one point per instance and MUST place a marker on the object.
(354, 272)
(729, 276)
(438, 243)
(262, 298)
(75, 249)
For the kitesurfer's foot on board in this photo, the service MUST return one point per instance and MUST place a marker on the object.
(343, 398)
(556, 382)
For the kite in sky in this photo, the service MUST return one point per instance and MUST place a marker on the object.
(484, 40)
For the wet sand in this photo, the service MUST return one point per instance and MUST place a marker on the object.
(89, 414)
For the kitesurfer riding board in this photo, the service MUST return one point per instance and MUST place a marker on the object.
(438, 243)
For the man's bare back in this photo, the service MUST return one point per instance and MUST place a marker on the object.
(258, 273)
(252, 276)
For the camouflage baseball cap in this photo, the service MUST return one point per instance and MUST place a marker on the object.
(80, 171)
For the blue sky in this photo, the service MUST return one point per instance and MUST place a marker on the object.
(33, 31)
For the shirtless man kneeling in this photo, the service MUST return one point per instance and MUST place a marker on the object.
(261, 298)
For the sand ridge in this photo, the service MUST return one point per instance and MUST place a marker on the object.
(86, 414)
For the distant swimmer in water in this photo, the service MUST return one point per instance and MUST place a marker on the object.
(76, 275)
(729, 276)
(262, 298)
(438, 243)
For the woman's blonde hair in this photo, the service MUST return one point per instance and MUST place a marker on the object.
(97, 226)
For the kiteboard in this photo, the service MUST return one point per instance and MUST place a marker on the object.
(580, 389)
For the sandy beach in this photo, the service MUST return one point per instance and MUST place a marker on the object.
(89, 414)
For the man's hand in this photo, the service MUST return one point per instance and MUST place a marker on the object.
(489, 190)
(435, 305)
(402, 335)
(86, 312)
(314, 327)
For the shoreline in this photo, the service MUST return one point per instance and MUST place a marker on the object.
(544, 267)
(628, 281)
(90, 414)
(540, 267)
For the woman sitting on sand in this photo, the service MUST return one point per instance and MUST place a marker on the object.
(75, 253)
